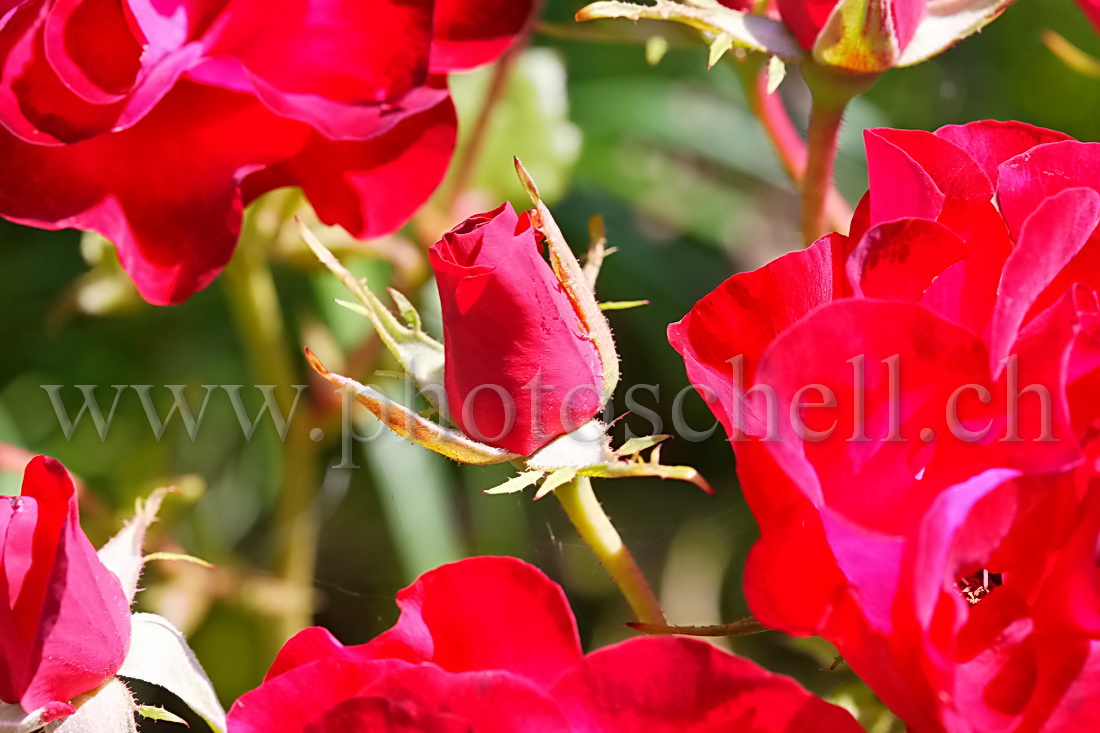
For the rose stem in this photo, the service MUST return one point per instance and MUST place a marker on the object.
(788, 144)
(595, 528)
(254, 304)
(832, 90)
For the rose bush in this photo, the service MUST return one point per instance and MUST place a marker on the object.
(489, 644)
(914, 411)
(65, 626)
(519, 371)
(154, 123)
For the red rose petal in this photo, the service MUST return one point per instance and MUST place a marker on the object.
(664, 685)
(468, 35)
(484, 613)
(137, 186)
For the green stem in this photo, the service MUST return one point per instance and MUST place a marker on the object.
(822, 139)
(832, 90)
(594, 527)
(254, 303)
(788, 143)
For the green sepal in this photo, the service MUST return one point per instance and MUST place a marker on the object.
(411, 426)
(755, 32)
(576, 283)
(417, 352)
(153, 712)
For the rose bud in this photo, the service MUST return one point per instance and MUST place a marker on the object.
(519, 369)
(874, 35)
(858, 36)
(66, 626)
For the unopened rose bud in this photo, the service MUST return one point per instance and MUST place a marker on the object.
(520, 370)
(871, 36)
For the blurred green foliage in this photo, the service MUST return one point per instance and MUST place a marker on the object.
(691, 194)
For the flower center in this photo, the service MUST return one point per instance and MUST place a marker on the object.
(977, 586)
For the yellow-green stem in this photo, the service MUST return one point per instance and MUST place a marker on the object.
(595, 528)
(254, 303)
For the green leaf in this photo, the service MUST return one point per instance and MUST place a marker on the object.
(637, 445)
(622, 305)
(160, 656)
(655, 49)
(634, 469)
(517, 483)
(152, 712)
(777, 72)
(181, 557)
(554, 480)
(722, 42)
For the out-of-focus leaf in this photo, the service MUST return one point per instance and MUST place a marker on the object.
(415, 350)
(530, 120)
(413, 490)
(655, 49)
(1072, 56)
(160, 656)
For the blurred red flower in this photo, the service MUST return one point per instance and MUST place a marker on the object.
(1092, 10)
(489, 644)
(65, 628)
(153, 123)
(931, 489)
(519, 371)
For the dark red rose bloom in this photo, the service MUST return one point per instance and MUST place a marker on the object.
(489, 644)
(519, 371)
(914, 410)
(65, 628)
(154, 123)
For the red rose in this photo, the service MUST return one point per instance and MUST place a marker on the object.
(874, 35)
(489, 644)
(154, 123)
(519, 371)
(915, 426)
(66, 626)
